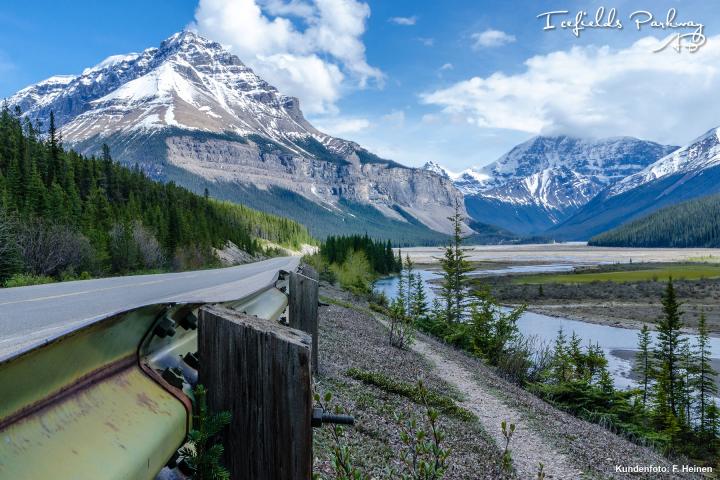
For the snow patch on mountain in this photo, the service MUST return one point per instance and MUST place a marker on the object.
(191, 105)
(701, 153)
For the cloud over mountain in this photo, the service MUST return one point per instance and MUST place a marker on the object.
(314, 63)
(596, 91)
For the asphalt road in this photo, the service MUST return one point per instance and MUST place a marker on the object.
(32, 315)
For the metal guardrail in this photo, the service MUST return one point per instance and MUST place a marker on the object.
(113, 399)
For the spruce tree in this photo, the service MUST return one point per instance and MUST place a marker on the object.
(455, 267)
(669, 383)
(643, 362)
(419, 304)
(10, 260)
(704, 384)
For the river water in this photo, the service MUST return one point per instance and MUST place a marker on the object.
(619, 344)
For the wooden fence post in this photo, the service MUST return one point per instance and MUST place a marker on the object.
(304, 290)
(258, 370)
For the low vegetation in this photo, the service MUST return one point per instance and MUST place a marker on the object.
(417, 392)
(403, 428)
(354, 261)
(62, 214)
(201, 457)
(690, 271)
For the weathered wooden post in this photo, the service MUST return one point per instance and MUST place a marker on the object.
(258, 370)
(304, 288)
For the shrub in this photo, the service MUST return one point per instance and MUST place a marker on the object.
(27, 279)
(47, 249)
(355, 273)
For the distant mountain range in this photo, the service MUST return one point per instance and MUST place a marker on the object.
(191, 112)
(545, 180)
(690, 172)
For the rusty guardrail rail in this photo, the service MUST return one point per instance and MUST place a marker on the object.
(112, 399)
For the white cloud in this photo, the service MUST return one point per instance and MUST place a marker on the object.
(447, 66)
(342, 126)
(311, 63)
(491, 38)
(597, 91)
(405, 21)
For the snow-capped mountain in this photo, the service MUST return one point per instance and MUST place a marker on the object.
(544, 180)
(689, 172)
(188, 82)
(192, 112)
(700, 154)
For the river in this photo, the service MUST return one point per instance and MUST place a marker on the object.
(619, 344)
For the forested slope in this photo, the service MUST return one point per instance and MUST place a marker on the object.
(695, 223)
(62, 213)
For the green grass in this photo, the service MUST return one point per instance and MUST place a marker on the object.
(660, 274)
(443, 403)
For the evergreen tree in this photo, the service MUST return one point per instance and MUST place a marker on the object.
(418, 303)
(643, 362)
(669, 383)
(561, 359)
(10, 261)
(704, 384)
(52, 190)
(688, 369)
(455, 267)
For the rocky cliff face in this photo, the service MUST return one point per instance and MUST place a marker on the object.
(384, 186)
(191, 106)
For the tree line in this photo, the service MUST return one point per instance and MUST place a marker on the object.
(382, 258)
(695, 223)
(62, 213)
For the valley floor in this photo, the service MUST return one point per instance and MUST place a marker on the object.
(352, 336)
(627, 304)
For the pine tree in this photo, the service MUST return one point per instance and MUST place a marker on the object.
(561, 359)
(10, 261)
(643, 362)
(419, 304)
(455, 267)
(669, 382)
(704, 384)
(204, 458)
(688, 369)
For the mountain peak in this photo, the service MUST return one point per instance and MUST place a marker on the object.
(436, 168)
(188, 82)
(700, 154)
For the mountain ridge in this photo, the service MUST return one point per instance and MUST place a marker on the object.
(689, 172)
(190, 105)
(546, 179)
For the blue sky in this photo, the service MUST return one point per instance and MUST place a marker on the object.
(412, 80)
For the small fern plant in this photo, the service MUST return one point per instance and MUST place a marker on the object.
(203, 454)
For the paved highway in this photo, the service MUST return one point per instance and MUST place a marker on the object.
(32, 315)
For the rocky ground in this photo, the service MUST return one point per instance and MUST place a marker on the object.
(351, 335)
(578, 253)
(627, 305)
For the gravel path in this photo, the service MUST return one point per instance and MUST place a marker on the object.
(528, 448)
